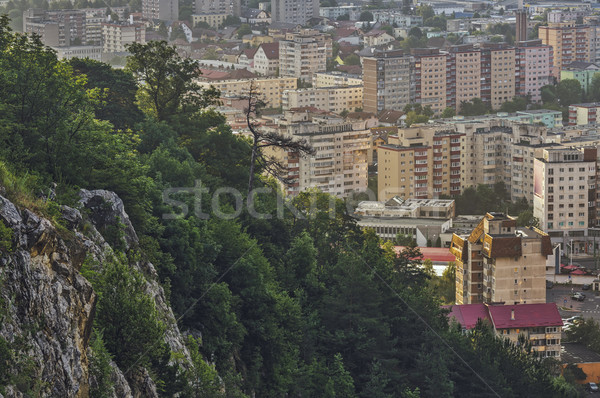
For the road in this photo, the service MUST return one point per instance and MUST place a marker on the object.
(561, 295)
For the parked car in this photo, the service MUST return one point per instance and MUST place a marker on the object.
(587, 286)
(574, 319)
(578, 296)
(592, 387)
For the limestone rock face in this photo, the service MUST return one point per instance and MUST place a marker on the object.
(47, 307)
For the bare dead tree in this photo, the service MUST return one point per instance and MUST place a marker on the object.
(262, 140)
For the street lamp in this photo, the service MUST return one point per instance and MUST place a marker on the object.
(571, 252)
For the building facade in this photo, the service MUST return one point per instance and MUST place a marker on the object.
(266, 59)
(569, 42)
(584, 114)
(429, 77)
(117, 36)
(534, 63)
(333, 99)
(271, 89)
(386, 77)
(304, 53)
(164, 10)
(57, 28)
(294, 11)
(583, 72)
(335, 79)
(500, 263)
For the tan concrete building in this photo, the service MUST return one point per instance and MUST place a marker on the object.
(165, 10)
(584, 114)
(116, 36)
(214, 19)
(335, 79)
(464, 68)
(497, 73)
(386, 77)
(304, 53)
(271, 88)
(333, 99)
(420, 162)
(498, 262)
(296, 12)
(569, 42)
(429, 76)
(339, 164)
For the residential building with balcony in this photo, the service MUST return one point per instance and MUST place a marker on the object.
(497, 73)
(386, 77)
(116, 36)
(463, 75)
(294, 11)
(333, 99)
(540, 324)
(583, 72)
(304, 53)
(429, 78)
(58, 28)
(269, 88)
(584, 114)
(164, 10)
(498, 262)
(569, 42)
(335, 79)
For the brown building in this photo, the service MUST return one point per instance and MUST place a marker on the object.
(521, 25)
(498, 262)
(386, 77)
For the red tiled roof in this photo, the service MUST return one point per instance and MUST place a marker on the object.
(435, 254)
(271, 50)
(468, 314)
(526, 315)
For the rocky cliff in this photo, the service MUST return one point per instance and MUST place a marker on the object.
(47, 306)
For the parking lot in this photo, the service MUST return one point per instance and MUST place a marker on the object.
(561, 295)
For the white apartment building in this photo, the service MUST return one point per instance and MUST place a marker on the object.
(91, 52)
(117, 36)
(333, 99)
(294, 11)
(335, 79)
(165, 10)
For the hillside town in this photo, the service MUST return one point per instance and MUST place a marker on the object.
(469, 130)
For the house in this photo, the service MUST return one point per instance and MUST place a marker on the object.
(376, 38)
(266, 59)
(390, 118)
(254, 16)
(540, 324)
(246, 58)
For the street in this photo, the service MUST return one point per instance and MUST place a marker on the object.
(567, 307)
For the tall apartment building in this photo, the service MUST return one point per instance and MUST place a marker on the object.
(339, 164)
(333, 99)
(116, 36)
(420, 162)
(497, 73)
(270, 88)
(57, 28)
(569, 42)
(304, 53)
(94, 17)
(335, 79)
(584, 114)
(463, 75)
(498, 262)
(565, 193)
(294, 11)
(429, 77)
(215, 6)
(386, 77)
(164, 10)
(534, 62)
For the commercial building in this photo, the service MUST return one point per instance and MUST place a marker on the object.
(339, 163)
(304, 53)
(266, 59)
(569, 42)
(116, 36)
(424, 231)
(540, 324)
(565, 193)
(270, 88)
(583, 72)
(333, 99)
(584, 114)
(414, 208)
(294, 11)
(498, 262)
(165, 10)
(386, 77)
(534, 62)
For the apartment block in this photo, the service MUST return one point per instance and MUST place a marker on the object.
(463, 75)
(335, 79)
(116, 36)
(429, 78)
(165, 10)
(534, 63)
(91, 52)
(214, 19)
(271, 89)
(569, 42)
(565, 193)
(57, 28)
(497, 73)
(500, 263)
(583, 72)
(334, 13)
(304, 53)
(333, 99)
(420, 162)
(397, 18)
(339, 164)
(584, 114)
(540, 324)
(94, 17)
(386, 77)
(266, 59)
(215, 6)
(294, 11)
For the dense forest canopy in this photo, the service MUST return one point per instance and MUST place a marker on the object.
(302, 304)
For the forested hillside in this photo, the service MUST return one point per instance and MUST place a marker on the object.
(298, 304)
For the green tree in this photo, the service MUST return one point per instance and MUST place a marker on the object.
(474, 107)
(243, 30)
(166, 81)
(232, 20)
(448, 112)
(517, 104)
(425, 11)
(352, 59)
(366, 16)
(569, 92)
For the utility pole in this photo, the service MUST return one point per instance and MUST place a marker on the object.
(571, 252)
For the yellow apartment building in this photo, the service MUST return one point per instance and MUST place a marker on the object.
(333, 99)
(271, 88)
